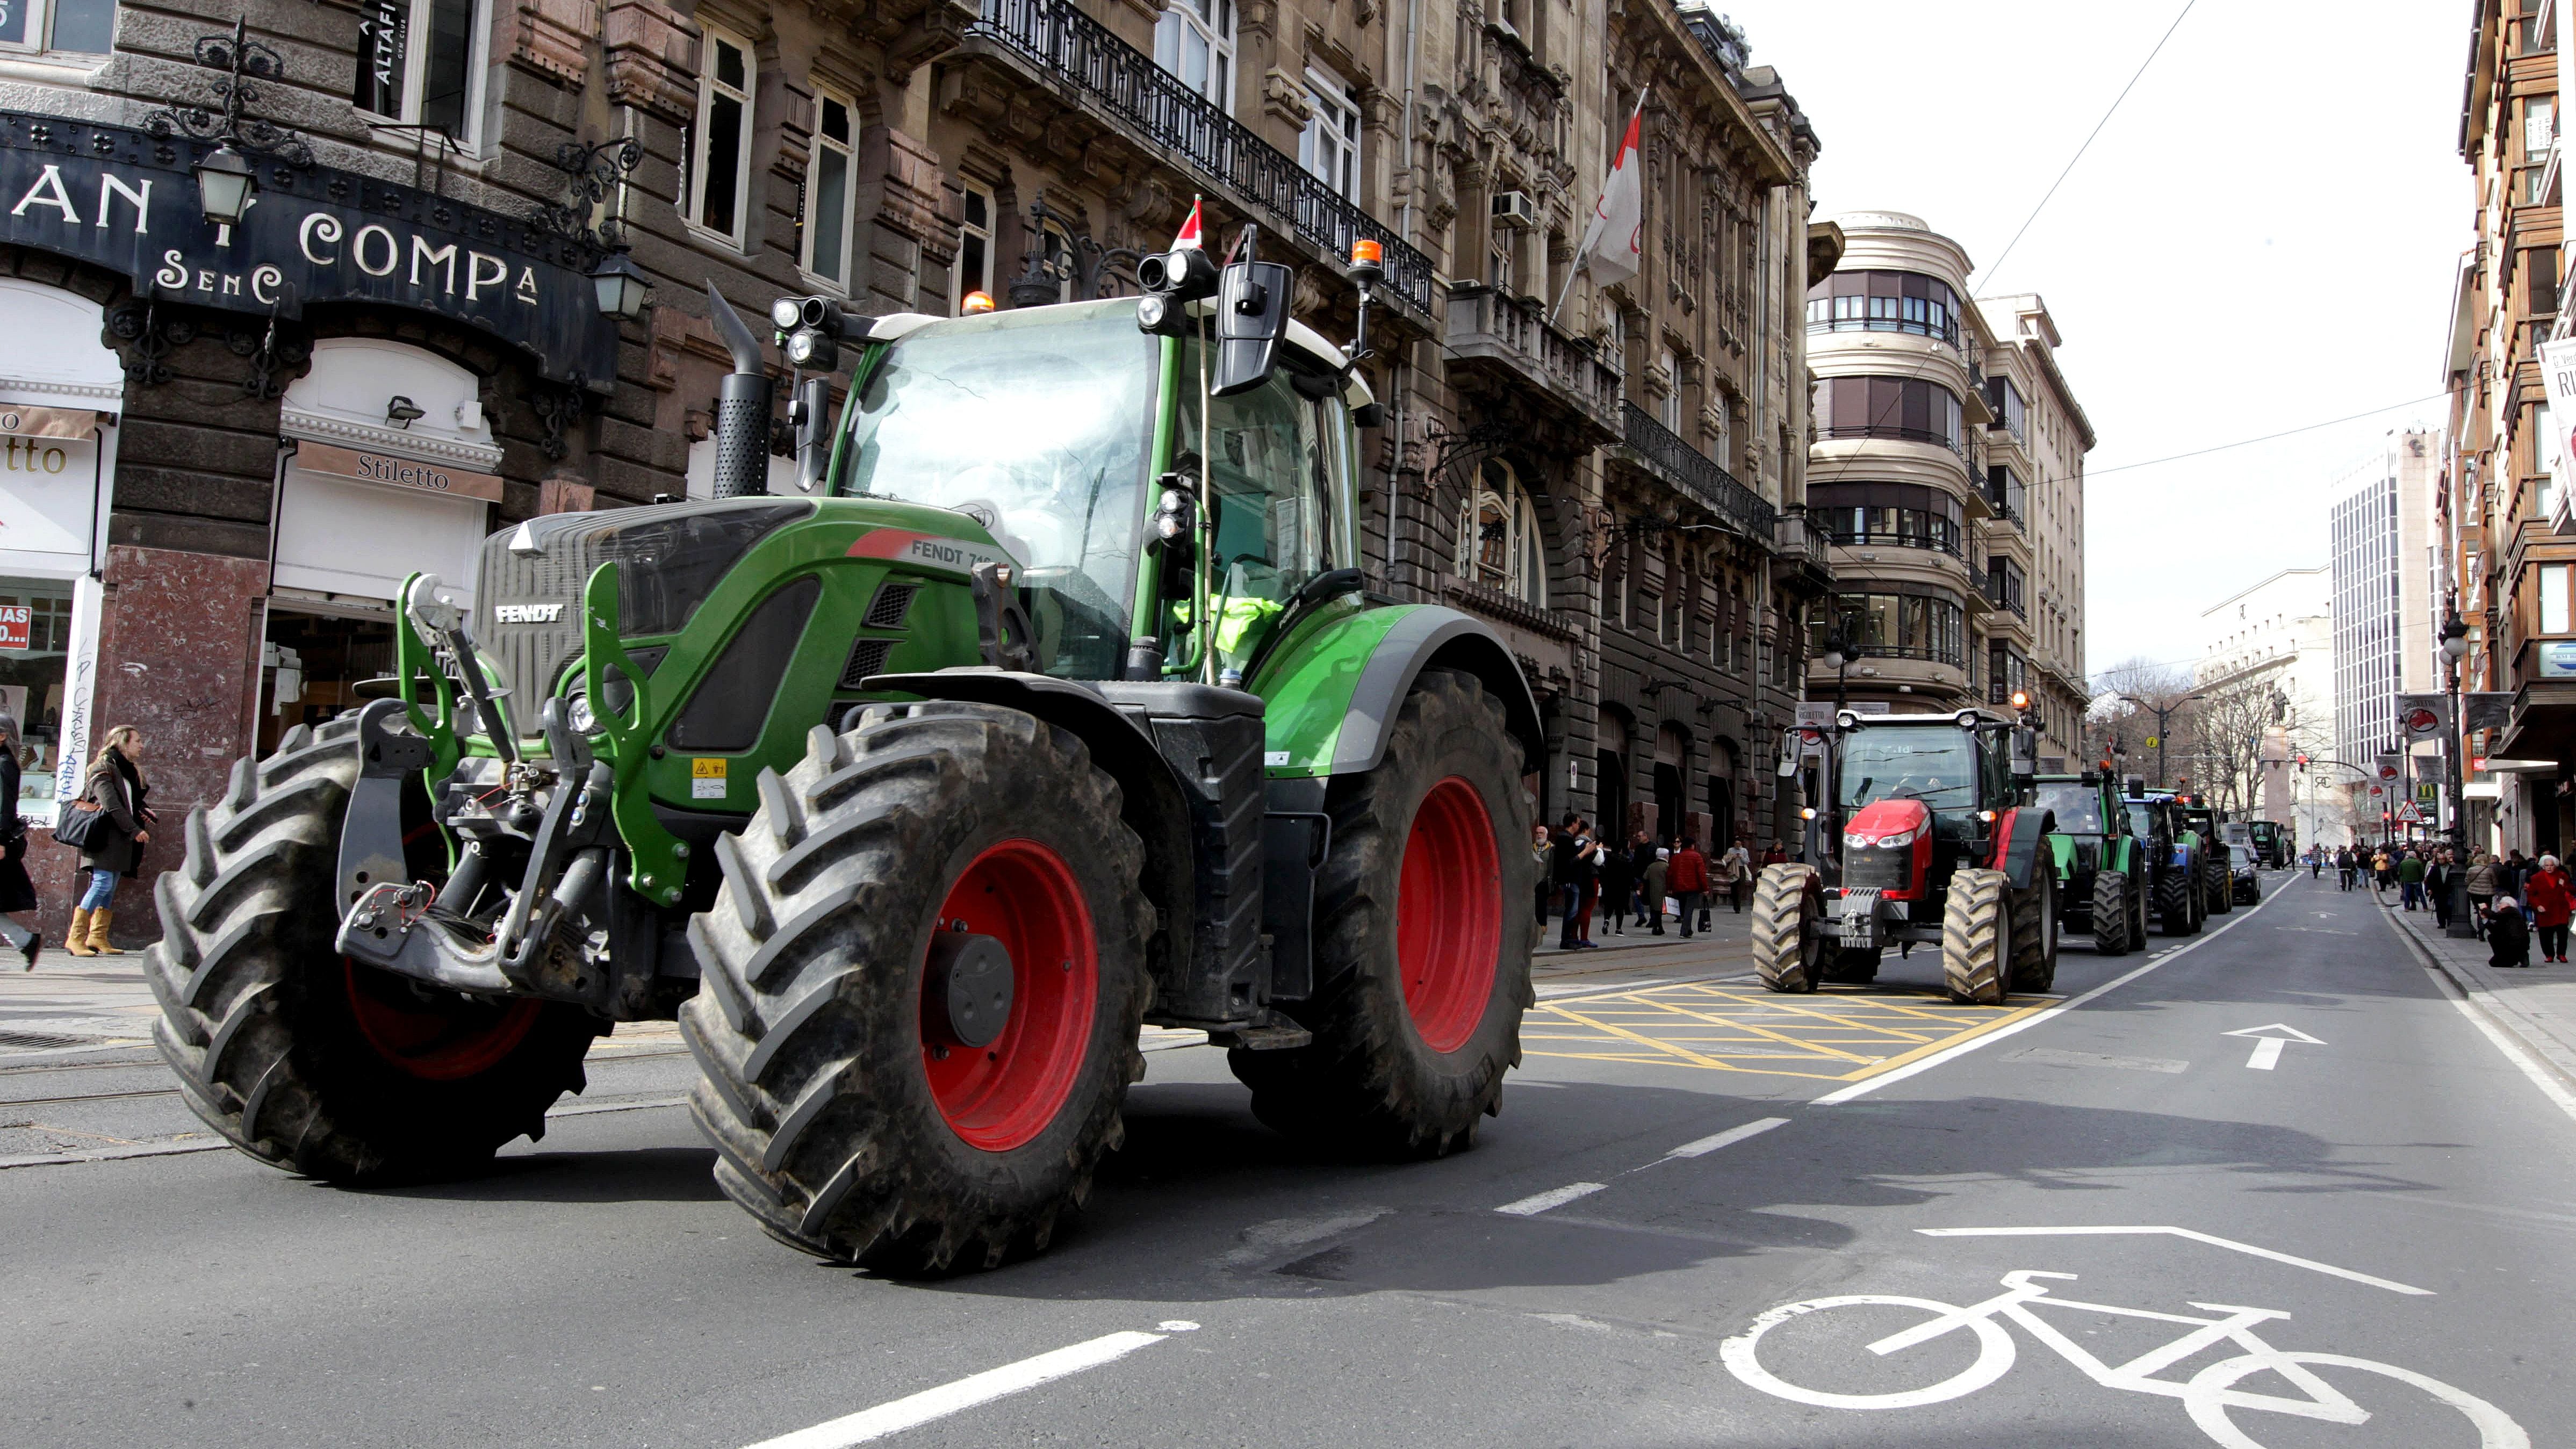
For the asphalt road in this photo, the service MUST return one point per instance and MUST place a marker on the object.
(2365, 1242)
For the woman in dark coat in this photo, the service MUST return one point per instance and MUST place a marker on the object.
(17, 893)
(2508, 935)
(115, 846)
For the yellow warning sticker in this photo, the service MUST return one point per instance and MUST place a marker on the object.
(706, 778)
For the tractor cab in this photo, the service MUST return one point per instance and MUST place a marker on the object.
(2098, 856)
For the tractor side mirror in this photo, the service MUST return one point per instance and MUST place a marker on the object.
(2025, 754)
(1252, 315)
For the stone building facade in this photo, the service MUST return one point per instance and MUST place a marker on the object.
(1948, 477)
(230, 440)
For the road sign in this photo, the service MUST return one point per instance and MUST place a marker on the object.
(2153, 741)
(2407, 814)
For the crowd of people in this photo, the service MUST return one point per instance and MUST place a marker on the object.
(2512, 900)
(1582, 873)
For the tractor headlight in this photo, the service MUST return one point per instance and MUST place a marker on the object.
(579, 715)
(1898, 840)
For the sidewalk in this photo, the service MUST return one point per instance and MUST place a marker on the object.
(72, 1002)
(2537, 1004)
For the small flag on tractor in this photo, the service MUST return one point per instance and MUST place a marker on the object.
(1188, 239)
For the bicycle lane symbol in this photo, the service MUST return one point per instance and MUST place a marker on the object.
(2208, 1395)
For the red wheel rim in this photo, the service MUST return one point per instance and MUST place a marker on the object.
(436, 1040)
(1001, 1095)
(1449, 915)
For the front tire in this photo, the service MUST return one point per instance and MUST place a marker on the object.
(859, 1111)
(2110, 913)
(2218, 887)
(2173, 903)
(1976, 937)
(300, 1057)
(1421, 954)
(1789, 949)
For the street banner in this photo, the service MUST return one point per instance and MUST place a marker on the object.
(2423, 716)
(2487, 709)
(2429, 767)
(2558, 375)
(2391, 765)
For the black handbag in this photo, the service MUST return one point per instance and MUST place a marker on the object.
(77, 822)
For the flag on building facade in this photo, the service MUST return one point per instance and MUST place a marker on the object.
(1614, 243)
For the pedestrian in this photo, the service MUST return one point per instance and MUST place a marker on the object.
(2383, 874)
(2344, 868)
(2410, 879)
(116, 789)
(1642, 855)
(1652, 878)
(1563, 846)
(2437, 887)
(1739, 880)
(17, 893)
(2508, 939)
(2550, 895)
(1687, 877)
(2511, 873)
(1587, 865)
(2481, 883)
(1542, 850)
(2316, 862)
(1618, 888)
(1778, 854)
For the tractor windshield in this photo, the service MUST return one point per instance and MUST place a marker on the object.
(2078, 807)
(2142, 820)
(1936, 764)
(1037, 423)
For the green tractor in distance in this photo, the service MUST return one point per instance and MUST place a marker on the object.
(1052, 706)
(2102, 881)
(2271, 842)
(2208, 825)
(2174, 858)
(1930, 834)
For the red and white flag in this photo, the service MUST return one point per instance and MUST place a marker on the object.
(1615, 241)
(1188, 239)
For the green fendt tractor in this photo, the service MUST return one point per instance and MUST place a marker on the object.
(1930, 834)
(2173, 855)
(2208, 825)
(1051, 707)
(2101, 866)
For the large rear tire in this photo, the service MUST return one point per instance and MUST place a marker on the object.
(2110, 913)
(2218, 884)
(1422, 948)
(1976, 937)
(1789, 950)
(858, 1110)
(302, 1058)
(2034, 934)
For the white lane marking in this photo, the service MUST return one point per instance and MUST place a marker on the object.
(2233, 1246)
(2161, 958)
(917, 1409)
(1727, 1138)
(2541, 1075)
(1554, 1197)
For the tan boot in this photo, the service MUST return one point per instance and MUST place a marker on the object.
(77, 940)
(98, 923)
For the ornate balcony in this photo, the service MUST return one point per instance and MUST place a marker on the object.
(1800, 560)
(1507, 341)
(1123, 91)
(1697, 477)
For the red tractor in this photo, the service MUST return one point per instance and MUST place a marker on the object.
(1928, 831)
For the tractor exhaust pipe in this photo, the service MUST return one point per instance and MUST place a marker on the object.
(742, 407)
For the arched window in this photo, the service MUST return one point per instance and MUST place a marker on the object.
(1498, 539)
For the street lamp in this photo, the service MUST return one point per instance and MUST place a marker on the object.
(620, 286)
(2162, 713)
(223, 186)
(2455, 645)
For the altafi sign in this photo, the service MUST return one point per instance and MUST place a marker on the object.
(127, 200)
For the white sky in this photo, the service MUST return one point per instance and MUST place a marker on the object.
(2263, 237)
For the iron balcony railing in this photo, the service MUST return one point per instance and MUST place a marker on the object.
(1126, 84)
(1882, 538)
(1698, 477)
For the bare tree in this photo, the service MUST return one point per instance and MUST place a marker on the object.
(2138, 701)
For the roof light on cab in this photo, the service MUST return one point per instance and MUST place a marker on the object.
(975, 302)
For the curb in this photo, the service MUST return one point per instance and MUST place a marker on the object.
(2542, 1051)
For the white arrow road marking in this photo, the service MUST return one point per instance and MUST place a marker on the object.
(2230, 1244)
(2267, 1046)
(966, 1393)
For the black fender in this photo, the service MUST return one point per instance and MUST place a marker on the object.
(1430, 637)
(1153, 800)
(2024, 845)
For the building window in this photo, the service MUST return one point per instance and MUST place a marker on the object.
(2009, 410)
(829, 196)
(2540, 280)
(1916, 624)
(2005, 493)
(2539, 127)
(1195, 41)
(1498, 539)
(1330, 148)
(1885, 302)
(1896, 515)
(974, 250)
(417, 63)
(2554, 599)
(1909, 409)
(1669, 410)
(719, 145)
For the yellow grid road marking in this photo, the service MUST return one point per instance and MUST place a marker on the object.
(1693, 1025)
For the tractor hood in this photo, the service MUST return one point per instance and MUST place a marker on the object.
(1887, 824)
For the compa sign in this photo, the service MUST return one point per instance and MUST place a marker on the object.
(127, 200)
